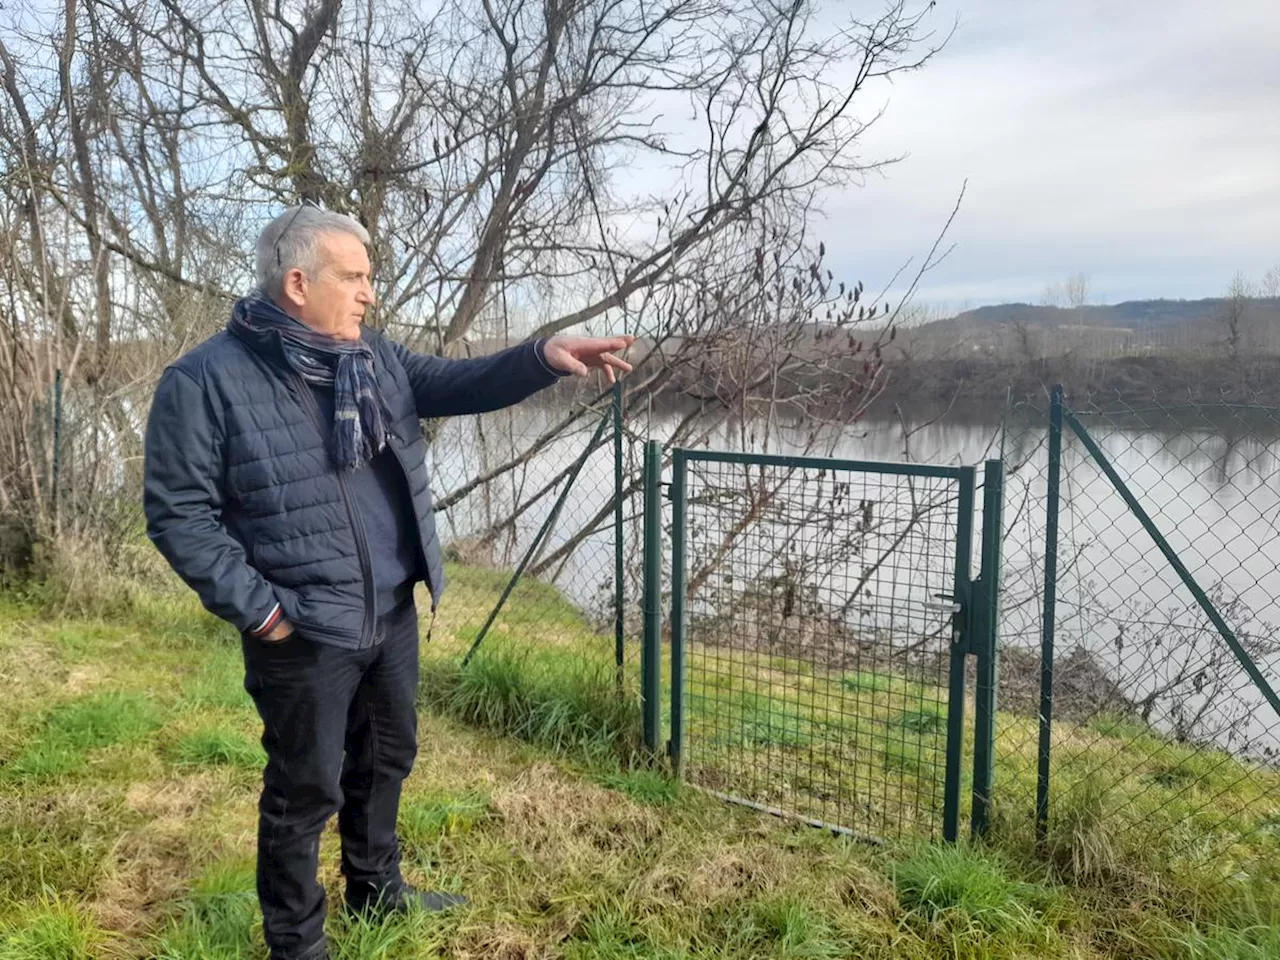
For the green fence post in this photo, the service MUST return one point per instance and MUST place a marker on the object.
(619, 573)
(1050, 608)
(985, 622)
(57, 445)
(959, 656)
(678, 587)
(651, 656)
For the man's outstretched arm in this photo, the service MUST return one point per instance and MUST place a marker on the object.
(444, 387)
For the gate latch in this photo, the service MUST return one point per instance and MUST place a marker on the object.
(962, 630)
(945, 607)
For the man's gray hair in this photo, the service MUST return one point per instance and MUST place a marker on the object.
(298, 231)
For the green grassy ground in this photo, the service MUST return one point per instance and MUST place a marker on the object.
(129, 767)
(865, 748)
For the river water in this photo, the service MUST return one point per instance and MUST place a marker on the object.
(1213, 490)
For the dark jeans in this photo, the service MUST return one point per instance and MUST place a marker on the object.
(340, 731)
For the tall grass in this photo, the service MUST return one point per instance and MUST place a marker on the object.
(1082, 842)
(554, 702)
(963, 887)
(1260, 942)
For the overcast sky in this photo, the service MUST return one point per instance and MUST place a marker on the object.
(1136, 141)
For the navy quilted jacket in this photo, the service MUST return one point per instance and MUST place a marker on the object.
(243, 500)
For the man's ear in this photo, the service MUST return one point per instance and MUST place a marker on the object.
(294, 287)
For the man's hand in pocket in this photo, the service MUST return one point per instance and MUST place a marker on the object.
(280, 632)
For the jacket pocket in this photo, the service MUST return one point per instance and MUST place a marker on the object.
(307, 627)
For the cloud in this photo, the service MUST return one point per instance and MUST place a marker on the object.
(1138, 142)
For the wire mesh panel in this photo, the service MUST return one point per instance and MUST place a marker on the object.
(1164, 742)
(818, 627)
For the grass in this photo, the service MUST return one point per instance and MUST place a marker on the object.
(128, 779)
(426, 819)
(557, 703)
(217, 682)
(51, 928)
(218, 746)
(765, 721)
(1224, 943)
(965, 889)
(649, 787)
(216, 920)
(70, 730)
(865, 681)
(930, 720)
(789, 927)
(912, 757)
(1081, 842)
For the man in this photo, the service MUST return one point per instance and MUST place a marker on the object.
(285, 483)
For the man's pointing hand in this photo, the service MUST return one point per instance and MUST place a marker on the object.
(579, 355)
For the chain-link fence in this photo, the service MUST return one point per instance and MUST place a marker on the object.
(1139, 649)
(535, 490)
(70, 491)
(1134, 722)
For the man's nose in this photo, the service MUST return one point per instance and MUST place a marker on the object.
(366, 295)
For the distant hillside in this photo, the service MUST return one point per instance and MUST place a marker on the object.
(1132, 314)
(1141, 348)
(1137, 328)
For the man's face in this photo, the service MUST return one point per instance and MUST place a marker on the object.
(334, 301)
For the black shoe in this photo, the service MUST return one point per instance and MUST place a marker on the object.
(319, 952)
(401, 899)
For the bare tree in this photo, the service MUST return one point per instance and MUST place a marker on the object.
(1235, 315)
(1075, 291)
(1028, 339)
(1271, 282)
(783, 340)
(523, 168)
(478, 144)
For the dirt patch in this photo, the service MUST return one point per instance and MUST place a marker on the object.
(662, 885)
(25, 661)
(859, 888)
(823, 642)
(148, 867)
(180, 798)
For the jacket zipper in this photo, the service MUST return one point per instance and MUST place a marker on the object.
(362, 546)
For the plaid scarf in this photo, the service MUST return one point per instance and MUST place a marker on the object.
(360, 414)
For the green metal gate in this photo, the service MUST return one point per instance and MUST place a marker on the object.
(822, 616)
